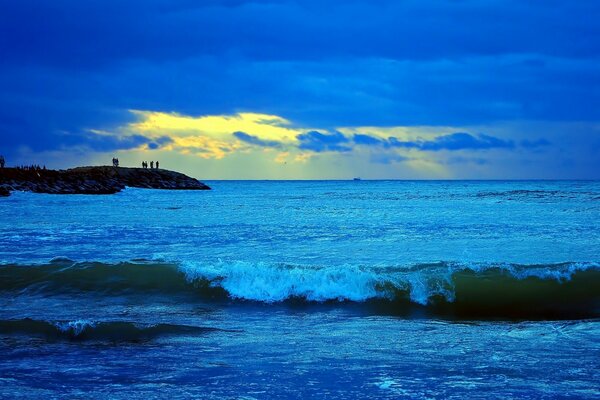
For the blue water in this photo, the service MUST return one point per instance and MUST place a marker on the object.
(385, 289)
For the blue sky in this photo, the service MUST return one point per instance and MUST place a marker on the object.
(304, 90)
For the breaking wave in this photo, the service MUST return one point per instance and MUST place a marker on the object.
(85, 330)
(468, 290)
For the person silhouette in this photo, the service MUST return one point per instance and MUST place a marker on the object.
(2, 162)
(151, 164)
(157, 165)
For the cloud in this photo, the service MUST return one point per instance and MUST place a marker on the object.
(367, 140)
(451, 142)
(107, 142)
(255, 140)
(159, 142)
(270, 141)
(534, 144)
(208, 136)
(319, 142)
(59, 33)
(264, 126)
(203, 147)
(465, 141)
(69, 65)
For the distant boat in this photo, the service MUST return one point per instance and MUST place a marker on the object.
(356, 179)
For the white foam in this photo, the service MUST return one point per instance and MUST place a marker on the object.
(268, 282)
(278, 282)
(75, 327)
(273, 283)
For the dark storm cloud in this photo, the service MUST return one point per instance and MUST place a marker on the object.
(79, 33)
(255, 140)
(67, 66)
(319, 142)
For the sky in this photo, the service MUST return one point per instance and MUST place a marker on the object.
(274, 89)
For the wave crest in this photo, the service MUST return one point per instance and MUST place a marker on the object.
(443, 287)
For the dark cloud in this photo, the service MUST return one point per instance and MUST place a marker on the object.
(93, 34)
(319, 142)
(395, 142)
(453, 141)
(106, 143)
(159, 142)
(255, 140)
(465, 141)
(368, 140)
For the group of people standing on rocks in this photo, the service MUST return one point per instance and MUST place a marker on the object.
(115, 162)
(145, 164)
(30, 167)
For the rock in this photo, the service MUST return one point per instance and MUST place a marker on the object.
(94, 180)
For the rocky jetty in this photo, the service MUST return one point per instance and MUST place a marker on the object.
(93, 180)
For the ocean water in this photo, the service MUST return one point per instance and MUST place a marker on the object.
(354, 289)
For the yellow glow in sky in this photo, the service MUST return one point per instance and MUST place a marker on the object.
(272, 149)
(265, 126)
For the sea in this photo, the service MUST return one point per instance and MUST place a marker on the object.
(303, 289)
